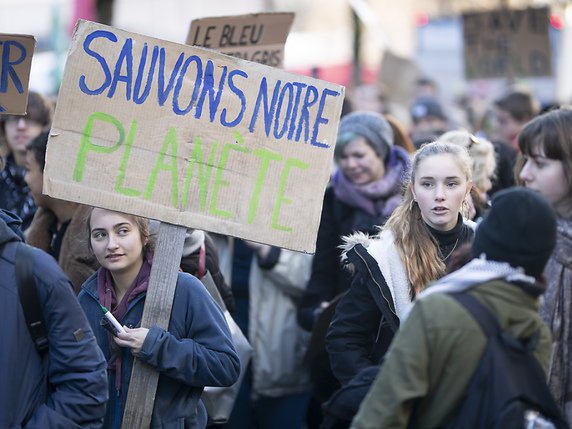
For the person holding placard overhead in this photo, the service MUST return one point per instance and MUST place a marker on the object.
(196, 350)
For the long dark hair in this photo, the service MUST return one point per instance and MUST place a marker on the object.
(550, 133)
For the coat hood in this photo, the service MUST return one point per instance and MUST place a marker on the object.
(348, 243)
(10, 227)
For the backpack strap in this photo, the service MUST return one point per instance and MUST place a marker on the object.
(29, 297)
(482, 316)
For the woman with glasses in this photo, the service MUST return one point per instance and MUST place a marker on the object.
(16, 132)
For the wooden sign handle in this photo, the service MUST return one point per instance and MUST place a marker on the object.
(157, 311)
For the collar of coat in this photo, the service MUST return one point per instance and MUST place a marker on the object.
(383, 249)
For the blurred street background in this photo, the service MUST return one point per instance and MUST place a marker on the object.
(343, 41)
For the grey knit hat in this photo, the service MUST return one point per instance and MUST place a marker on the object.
(371, 125)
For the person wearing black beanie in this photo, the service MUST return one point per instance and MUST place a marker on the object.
(521, 230)
(439, 346)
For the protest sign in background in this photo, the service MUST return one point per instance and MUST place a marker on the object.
(192, 137)
(256, 37)
(398, 77)
(16, 52)
(507, 43)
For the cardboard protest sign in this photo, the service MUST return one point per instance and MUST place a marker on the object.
(192, 137)
(397, 77)
(16, 52)
(256, 37)
(507, 43)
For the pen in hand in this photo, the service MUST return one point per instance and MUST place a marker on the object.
(107, 314)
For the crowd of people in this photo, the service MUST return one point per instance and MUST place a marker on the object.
(362, 334)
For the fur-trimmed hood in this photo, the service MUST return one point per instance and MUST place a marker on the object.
(383, 249)
(349, 242)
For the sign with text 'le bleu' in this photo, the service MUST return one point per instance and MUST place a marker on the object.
(16, 52)
(192, 137)
(255, 37)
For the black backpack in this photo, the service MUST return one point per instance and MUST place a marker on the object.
(508, 390)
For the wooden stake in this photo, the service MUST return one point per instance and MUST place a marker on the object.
(157, 311)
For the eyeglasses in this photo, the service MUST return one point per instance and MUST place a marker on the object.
(13, 120)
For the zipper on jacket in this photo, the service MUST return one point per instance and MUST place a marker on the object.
(381, 293)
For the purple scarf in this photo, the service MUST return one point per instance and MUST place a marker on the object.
(377, 198)
(108, 298)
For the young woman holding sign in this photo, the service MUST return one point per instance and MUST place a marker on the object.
(194, 352)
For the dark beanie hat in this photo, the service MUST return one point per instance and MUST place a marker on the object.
(371, 125)
(426, 107)
(520, 228)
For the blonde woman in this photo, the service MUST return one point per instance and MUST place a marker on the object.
(410, 251)
(482, 153)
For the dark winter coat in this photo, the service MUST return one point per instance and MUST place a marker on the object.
(196, 351)
(433, 358)
(66, 389)
(367, 317)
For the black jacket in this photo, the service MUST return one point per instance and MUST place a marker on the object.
(369, 299)
(366, 319)
(328, 278)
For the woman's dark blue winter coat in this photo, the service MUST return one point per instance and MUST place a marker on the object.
(196, 351)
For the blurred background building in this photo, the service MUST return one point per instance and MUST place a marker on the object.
(343, 41)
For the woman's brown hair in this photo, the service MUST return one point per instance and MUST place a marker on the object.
(141, 223)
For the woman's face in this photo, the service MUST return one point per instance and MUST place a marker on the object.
(440, 187)
(547, 177)
(20, 131)
(116, 241)
(360, 163)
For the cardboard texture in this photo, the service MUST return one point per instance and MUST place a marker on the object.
(255, 37)
(16, 52)
(507, 43)
(191, 137)
(397, 78)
